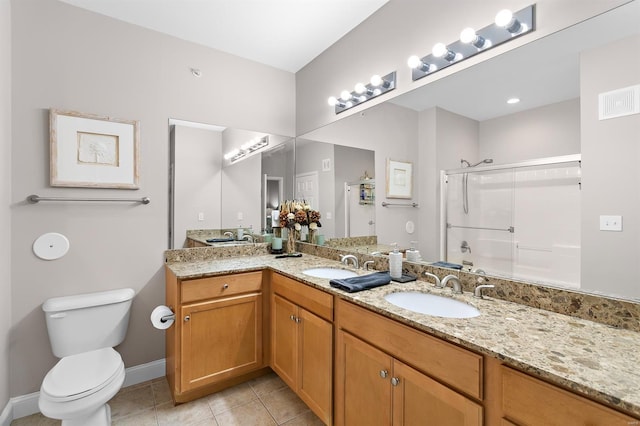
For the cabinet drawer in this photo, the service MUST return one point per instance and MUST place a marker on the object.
(213, 287)
(448, 363)
(313, 300)
(530, 401)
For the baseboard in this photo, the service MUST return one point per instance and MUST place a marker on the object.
(25, 405)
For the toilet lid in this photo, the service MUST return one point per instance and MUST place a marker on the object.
(78, 374)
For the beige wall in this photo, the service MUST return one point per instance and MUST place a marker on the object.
(5, 196)
(403, 28)
(610, 172)
(69, 58)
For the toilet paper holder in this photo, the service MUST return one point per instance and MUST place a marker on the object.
(166, 318)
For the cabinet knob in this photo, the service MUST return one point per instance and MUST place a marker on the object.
(225, 286)
(395, 381)
(187, 318)
(384, 373)
(298, 320)
(292, 317)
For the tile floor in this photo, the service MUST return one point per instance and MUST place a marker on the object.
(265, 401)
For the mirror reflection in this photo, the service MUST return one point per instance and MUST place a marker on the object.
(211, 192)
(465, 117)
(339, 182)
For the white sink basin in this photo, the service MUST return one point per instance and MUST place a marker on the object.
(432, 304)
(329, 273)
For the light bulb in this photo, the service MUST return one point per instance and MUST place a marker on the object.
(231, 154)
(439, 49)
(332, 101)
(360, 88)
(246, 145)
(414, 61)
(376, 80)
(468, 35)
(345, 95)
(512, 101)
(504, 18)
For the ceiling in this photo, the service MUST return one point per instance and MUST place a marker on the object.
(285, 34)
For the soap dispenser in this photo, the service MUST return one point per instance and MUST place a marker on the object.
(413, 254)
(240, 232)
(395, 262)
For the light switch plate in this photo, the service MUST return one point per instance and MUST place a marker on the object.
(610, 223)
(201, 216)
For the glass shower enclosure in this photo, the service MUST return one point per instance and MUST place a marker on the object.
(518, 220)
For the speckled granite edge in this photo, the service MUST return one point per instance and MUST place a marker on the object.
(352, 241)
(199, 254)
(606, 310)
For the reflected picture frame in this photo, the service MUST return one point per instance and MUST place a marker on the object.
(93, 151)
(399, 179)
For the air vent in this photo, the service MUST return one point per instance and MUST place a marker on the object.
(618, 103)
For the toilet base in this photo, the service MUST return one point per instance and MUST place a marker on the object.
(100, 417)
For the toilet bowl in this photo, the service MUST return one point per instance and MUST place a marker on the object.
(83, 330)
(77, 389)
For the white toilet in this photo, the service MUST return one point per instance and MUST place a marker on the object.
(83, 330)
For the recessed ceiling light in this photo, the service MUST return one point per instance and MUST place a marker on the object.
(513, 100)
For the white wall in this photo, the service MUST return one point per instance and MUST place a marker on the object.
(402, 28)
(68, 58)
(5, 196)
(610, 145)
(548, 131)
(197, 183)
(241, 199)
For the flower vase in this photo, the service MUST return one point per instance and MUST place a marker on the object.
(291, 241)
(312, 236)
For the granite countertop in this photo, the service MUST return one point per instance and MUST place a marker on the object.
(591, 358)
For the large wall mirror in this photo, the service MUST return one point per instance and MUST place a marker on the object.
(465, 116)
(209, 191)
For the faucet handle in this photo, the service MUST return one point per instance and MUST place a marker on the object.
(366, 264)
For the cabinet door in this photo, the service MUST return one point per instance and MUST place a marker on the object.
(420, 400)
(363, 383)
(315, 337)
(284, 345)
(220, 339)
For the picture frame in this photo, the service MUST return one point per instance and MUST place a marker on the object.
(93, 151)
(399, 179)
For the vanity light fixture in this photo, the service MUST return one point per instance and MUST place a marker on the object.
(512, 101)
(247, 148)
(507, 26)
(363, 92)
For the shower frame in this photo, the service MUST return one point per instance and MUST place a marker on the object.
(563, 159)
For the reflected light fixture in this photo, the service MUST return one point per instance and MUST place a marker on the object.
(363, 92)
(247, 148)
(512, 101)
(506, 26)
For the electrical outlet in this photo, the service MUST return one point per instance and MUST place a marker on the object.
(328, 216)
(201, 216)
(611, 223)
(240, 216)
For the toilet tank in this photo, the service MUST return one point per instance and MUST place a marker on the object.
(86, 322)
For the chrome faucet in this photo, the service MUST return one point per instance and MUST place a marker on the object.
(478, 291)
(456, 285)
(345, 259)
(248, 238)
(228, 234)
(366, 264)
(437, 282)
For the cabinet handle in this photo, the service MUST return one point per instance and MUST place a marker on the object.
(292, 317)
(298, 320)
(187, 318)
(225, 286)
(395, 381)
(384, 373)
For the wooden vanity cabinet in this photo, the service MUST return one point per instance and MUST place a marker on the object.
(528, 401)
(388, 373)
(218, 333)
(302, 342)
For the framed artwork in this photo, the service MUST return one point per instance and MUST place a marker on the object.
(92, 151)
(399, 179)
